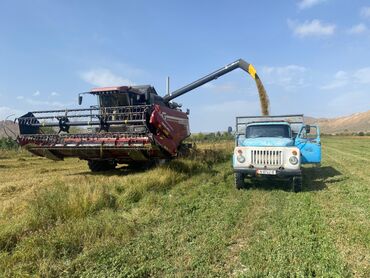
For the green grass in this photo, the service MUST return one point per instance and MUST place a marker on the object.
(185, 219)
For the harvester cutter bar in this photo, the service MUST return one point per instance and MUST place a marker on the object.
(85, 140)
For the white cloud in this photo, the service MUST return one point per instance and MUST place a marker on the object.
(46, 103)
(223, 88)
(357, 29)
(104, 77)
(221, 115)
(54, 94)
(7, 111)
(362, 76)
(312, 28)
(37, 93)
(341, 79)
(289, 77)
(349, 102)
(305, 4)
(365, 12)
(237, 106)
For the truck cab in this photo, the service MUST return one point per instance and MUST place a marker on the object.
(274, 146)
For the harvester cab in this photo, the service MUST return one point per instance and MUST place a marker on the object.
(129, 124)
(124, 96)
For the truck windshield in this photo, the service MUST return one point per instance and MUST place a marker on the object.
(256, 131)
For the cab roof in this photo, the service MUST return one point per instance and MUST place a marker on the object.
(269, 123)
(142, 89)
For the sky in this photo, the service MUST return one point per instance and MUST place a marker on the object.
(313, 56)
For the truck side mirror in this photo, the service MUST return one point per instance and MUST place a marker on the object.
(79, 99)
(308, 128)
(187, 111)
(229, 129)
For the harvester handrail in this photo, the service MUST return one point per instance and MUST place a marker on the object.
(98, 115)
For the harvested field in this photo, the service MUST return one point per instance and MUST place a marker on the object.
(185, 218)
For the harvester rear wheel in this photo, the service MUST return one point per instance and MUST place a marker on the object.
(239, 180)
(101, 165)
(139, 165)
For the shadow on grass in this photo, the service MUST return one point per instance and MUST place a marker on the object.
(319, 178)
(314, 179)
(119, 171)
(179, 166)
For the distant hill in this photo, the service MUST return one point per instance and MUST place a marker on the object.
(346, 124)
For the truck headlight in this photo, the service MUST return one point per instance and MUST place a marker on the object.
(293, 160)
(240, 158)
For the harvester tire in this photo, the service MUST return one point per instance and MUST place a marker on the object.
(184, 150)
(139, 165)
(239, 181)
(101, 165)
(297, 184)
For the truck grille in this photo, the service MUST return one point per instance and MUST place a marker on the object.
(266, 157)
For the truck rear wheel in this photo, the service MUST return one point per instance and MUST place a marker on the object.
(101, 165)
(297, 184)
(239, 180)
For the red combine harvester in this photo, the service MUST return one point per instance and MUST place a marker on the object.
(130, 125)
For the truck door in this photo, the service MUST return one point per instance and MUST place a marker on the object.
(308, 141)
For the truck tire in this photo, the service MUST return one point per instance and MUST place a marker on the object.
(239, 180)
(101, 165)
(297, 184)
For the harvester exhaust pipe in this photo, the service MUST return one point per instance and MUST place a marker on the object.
(224, 70)
(168, 86)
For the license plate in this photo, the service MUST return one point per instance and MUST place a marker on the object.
(266, 172)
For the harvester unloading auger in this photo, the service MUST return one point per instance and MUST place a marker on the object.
(131, 125)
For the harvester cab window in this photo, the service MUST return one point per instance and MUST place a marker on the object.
(114, 100)
(138, 99)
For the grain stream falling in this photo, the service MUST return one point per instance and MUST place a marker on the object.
(264, 99)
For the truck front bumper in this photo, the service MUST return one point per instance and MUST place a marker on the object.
(279, 172)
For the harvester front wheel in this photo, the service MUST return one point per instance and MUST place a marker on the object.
(101, 165)
(184, 150)
(239, 180)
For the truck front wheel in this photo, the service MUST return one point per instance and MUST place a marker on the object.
(297, 184)
(239, 180)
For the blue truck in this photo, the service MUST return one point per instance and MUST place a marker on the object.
(274, 146)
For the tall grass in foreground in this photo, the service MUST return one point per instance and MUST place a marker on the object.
(61, 220)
